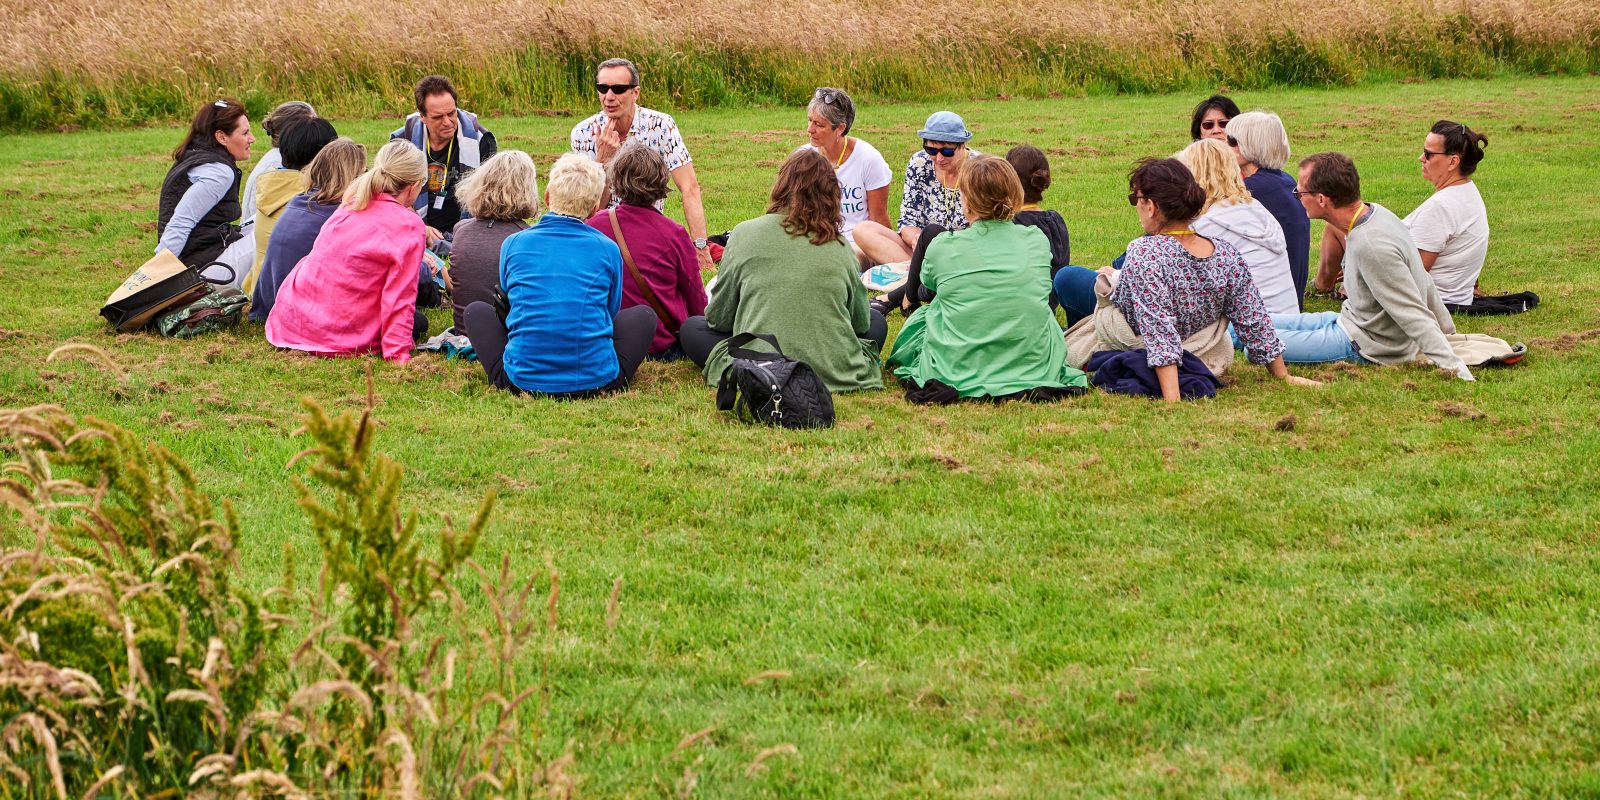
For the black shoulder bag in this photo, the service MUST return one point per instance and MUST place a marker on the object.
(771, 388)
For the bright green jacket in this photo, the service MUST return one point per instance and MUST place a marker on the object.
(989, 330)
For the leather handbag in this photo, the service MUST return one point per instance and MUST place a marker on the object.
(638, 278)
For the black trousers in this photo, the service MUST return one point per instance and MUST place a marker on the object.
(699, 338)
(631, 332)
(913, 286)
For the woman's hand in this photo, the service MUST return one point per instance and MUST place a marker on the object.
(433, 235)
(1296, 380)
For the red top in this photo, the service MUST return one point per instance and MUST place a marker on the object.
(666, 258)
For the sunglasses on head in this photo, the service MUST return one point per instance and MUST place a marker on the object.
(829, 96)
(615, 88)
(1212, 124)
(947, 152)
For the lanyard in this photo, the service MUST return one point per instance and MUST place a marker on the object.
(447, 152)
(1177, 233)
(1355, 219)
(1030, 207)
(843, 151)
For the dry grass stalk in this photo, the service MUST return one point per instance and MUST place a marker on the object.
(769, 675)
(760, 762)
(689, 741)
(613, 609)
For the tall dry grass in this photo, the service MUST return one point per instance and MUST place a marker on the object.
(76, 61)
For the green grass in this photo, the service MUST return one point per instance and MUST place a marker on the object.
(1106, 596)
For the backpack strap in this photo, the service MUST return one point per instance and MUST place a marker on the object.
(737, 349)
(638, 279)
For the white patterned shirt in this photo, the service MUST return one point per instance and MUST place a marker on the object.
(653, 129)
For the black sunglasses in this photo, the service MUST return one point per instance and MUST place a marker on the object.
(829, 96)
(947, 152)
(1302, 192)
(615, 88)
(1213, 123)
(1135, 197)
(1232, 142)
(1427, 154)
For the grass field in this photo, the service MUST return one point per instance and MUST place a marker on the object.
(1385, 587)
(72, 63)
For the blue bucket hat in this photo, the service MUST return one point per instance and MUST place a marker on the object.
(945, 126)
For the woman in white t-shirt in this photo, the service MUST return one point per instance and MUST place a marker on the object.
(863, 174)
(1451, 227)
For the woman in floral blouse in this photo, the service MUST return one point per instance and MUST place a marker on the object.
(1176, 283)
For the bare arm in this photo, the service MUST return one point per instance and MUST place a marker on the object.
(1330, 264)
(1428, 257)
(694, 210)
(1167, 376)
(878, 206)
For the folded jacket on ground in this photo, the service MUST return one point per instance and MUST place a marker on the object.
(1108, 330)
(1496, 305)
(1128, 372)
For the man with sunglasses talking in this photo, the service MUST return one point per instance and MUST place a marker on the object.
(455, 144)
(622, 118)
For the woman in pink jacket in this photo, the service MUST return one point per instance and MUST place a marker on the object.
(356, 291)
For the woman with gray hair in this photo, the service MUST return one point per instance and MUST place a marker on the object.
(1262, 147)
(664, 272)
(863, 173)
(500, 196)
(281, 119)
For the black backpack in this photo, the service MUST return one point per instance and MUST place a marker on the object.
(771, 388)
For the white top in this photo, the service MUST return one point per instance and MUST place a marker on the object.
(1453, 223)
(1256, 234)
(269, 162)
(863, 171)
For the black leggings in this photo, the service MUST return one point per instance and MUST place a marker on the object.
(631, 332)
(913, 285)
(698, 338)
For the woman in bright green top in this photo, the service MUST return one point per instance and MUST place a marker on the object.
(792, 275)
(989, 331)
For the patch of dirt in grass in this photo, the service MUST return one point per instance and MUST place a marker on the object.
(1565, 341)
(1454, 409)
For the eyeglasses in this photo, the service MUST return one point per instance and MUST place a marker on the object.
(615, 88)
(1302, 192)
(947, 152)
(829, 96)
(1135, 197)
(1427, 154)
(1213, 124)
(1232, 142)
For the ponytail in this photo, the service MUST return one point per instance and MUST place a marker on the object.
(398, 165)
(1460, 140)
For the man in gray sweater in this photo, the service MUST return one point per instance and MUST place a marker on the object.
(1392, 314)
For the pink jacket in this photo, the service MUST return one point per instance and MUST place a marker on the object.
(356, 291)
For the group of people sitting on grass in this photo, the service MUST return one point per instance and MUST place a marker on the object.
(570, 304)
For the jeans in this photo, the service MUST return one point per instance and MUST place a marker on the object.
(1314, 338)
(1074, 287)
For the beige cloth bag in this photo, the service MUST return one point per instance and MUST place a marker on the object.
(1477, 349)
(1108, 329)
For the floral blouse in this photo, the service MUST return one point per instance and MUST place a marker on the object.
(1168, 295)
(926, 201)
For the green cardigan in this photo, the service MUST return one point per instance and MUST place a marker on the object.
(989, 330)
(808, 296)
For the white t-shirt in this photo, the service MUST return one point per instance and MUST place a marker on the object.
(864, 171)
(1453, 223)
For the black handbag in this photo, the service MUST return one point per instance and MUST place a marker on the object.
(161, 284)
(770, 388)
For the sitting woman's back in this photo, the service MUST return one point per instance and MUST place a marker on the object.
(498, 195)
(328, 175)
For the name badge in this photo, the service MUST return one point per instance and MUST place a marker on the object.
(438, 202)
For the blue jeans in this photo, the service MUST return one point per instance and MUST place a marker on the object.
(1314, 338)
(1074, 287)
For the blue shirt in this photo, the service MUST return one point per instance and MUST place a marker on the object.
(564, 281)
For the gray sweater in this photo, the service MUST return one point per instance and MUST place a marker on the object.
(1393, 314)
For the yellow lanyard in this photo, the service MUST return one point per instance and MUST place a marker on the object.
(1355, 219)
(843, 151)
(1030, 207)
(1177, 233)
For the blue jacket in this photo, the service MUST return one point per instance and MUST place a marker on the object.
(291, 240)
(564, 281)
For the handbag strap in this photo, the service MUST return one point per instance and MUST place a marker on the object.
(737, 349)
(638, 279)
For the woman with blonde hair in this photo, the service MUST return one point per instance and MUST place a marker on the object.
(1262, 146)
(989, 331)
(791, 275)
(1232, 215)
(500, 195)
(566, 335)
(325, 179)
(356, 291)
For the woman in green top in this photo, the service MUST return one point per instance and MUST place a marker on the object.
(989, 331)
(792, 275)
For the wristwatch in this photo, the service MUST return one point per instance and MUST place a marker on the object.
(700, 243)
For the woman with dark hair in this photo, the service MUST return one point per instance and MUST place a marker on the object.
(199, 201)
(1033, 169)
(1451, 227)
(789, 274)
(300, 144)
(989, 331)
(662, 252)
(1176, 284)
(1210, 120)
(327, 176)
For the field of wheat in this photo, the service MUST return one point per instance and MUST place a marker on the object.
(82, 63)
